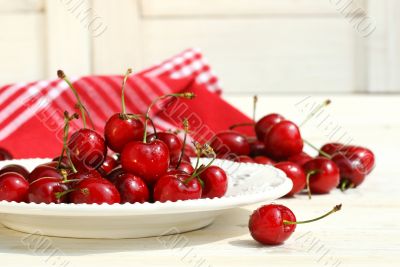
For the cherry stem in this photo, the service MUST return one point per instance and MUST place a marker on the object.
(315, 111)
(198, 153)
(187, 95)
(63, 193)
(308, 181)
(67, 120)
(207, 150)
(326, 155)
(154, 127)
(64, 174)
(186, 130)
(241, 125)
(255, 100)
(123, 114)
(62, 75)
(335, 209)
(343, 185)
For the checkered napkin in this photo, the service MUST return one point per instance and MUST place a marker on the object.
(31, 114)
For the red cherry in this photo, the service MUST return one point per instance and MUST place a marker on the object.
(74, 178)
(108, 165)
(354, 163)
(300, 158)
(94, 191)
(13, 187)
(362, 154)
(147, 160)
(15, 168)
(172, 141)
(264, 124)
(5, 154)
(257, 148)
(295, 173)
(230, 143)
(267, 226)
(44, 170)
(273, 224)
(87, 149)
(244, 159)
(184, 166)
(215, 182)
(47, 190)
(283, 140)
(132, 189)
(120, 130)
(263, 160)
(331, 148)
(177, 187)
(323, 175)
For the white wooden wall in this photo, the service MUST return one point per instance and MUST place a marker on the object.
(254, 46)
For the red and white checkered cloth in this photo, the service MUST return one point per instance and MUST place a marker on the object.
(31, 114)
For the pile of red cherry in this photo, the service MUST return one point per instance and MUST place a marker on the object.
(146, 167)
(278, 142)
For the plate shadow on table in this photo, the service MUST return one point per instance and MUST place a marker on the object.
(230, 224)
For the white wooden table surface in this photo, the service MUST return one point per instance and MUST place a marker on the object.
(365, 233)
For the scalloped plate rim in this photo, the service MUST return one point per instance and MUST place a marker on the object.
(128, 209)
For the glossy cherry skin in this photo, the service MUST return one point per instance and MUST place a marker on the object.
(264, 124)
(44, 170)
(131, 188)
(215, 182)
(172, 187)
(5, 154)
(74, 178)
(365, 156)
(266, 224)
(283, 140)
(13, 187)
(94, 191)
(15, 168)
(108, 165)
(184, 166)
(244, 159)
(354, 163)
(257, 148)
(331, 148)
(147, 160)
(300, 158)
(230, 143)
(172, 141)
(295, 173)
(119, 131)
(44, 190)
(87, 148)
(326, 178)
(263, 160)
(350, 169)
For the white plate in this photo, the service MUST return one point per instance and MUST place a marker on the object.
(248, 184)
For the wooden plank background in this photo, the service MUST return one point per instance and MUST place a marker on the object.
(254, 46)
